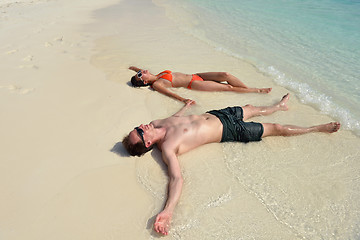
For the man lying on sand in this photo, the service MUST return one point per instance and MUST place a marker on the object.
(178, 134)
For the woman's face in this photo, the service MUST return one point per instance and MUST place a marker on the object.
(143, 75)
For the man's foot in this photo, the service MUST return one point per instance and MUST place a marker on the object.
(282, 104)
(329, 127)
(265, 90)
(162, 223)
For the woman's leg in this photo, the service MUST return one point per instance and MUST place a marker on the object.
(219, 87)
(222, 77)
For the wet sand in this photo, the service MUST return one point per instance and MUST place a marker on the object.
(66, 104)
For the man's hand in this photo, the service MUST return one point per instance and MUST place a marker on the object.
(162, 222)
(188, 103)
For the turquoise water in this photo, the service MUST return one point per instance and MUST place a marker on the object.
(310, 47)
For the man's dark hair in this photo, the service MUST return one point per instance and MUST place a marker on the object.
(137, 149)
(138, 83)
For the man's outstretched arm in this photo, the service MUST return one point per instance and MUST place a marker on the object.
(163, 219)
(182, 111)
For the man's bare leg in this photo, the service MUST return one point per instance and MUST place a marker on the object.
(250, 111)
(273, 129)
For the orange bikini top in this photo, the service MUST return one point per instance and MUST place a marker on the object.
(166, 75)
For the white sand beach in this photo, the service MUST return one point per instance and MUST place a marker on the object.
(66, 104)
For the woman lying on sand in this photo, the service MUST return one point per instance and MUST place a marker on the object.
(208, 81)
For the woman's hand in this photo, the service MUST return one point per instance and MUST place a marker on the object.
(135, 69)
(188, 102)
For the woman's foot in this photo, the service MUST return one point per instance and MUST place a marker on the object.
(329, 127)
(264, 90)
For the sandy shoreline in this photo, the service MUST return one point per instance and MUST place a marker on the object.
(58, 127)
(66, 103)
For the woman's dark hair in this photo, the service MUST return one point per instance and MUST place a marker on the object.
(137, 149)
(138, 83)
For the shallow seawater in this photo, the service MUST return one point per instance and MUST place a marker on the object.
(309, 47)
(303, 187)
(281, 188)
(307, 183)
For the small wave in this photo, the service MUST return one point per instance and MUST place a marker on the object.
(324, 103)
(219, 200)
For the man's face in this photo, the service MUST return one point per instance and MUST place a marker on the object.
(141, 134)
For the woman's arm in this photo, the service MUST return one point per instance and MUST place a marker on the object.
(135, 69)
(164, 90)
